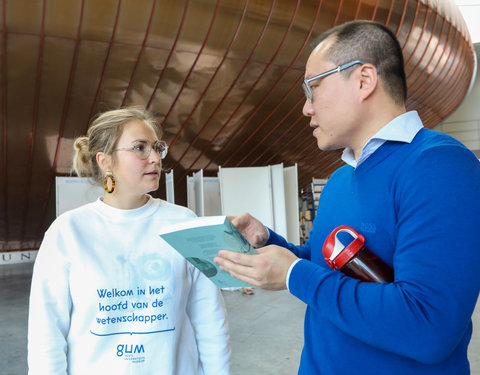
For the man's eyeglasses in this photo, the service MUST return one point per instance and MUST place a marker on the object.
(142, 150)
(306, 82)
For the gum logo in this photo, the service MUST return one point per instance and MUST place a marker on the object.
(129, 349)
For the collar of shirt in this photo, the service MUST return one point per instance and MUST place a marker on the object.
(401, 129)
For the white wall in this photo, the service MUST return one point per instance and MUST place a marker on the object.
(269, 193)
(73, 192)
(170, 187)
(247, 189)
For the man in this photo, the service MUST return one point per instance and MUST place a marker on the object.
(412, 192)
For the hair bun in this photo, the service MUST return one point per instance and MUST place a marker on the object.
(81, 160)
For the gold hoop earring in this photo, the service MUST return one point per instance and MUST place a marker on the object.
(109, 176)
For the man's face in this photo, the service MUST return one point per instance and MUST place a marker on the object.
(332, 111)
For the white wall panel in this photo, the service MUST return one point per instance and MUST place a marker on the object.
(247, 190)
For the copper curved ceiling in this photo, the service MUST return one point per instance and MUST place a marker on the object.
(223, 77)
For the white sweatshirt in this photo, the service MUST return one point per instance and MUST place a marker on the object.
(110, 297)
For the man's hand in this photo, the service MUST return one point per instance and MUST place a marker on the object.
(252, 229)
(268, 269)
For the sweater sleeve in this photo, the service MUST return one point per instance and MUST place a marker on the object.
(49, 309)
(300, 251)
(426, 312)
(207, 313)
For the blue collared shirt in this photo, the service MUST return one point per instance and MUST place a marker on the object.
(401, 129)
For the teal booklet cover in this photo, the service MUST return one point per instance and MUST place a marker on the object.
(199, 241)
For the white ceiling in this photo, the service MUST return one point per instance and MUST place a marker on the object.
(471, 13)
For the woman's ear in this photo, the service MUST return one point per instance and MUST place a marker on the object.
(368, 80)
(104, 161)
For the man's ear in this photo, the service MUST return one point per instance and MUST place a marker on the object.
(368, 80)
(104, 161)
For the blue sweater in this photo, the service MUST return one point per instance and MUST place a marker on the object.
(418, 206)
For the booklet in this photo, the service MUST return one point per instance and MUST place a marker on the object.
(199, 241)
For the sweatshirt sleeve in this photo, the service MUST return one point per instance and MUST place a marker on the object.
(49, 309)
(426, 312)
(207, 313)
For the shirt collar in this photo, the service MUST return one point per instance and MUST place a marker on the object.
(402, 128)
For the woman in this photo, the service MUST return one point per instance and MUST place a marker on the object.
(108, 295)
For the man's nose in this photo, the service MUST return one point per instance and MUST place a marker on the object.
(308, 108)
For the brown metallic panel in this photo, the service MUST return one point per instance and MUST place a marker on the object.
(195, 59)
(19, 124)
(223, 76)
(424, 41)
(100, 19)
(408, 12)
(4, 233)
(415, 89)
(179, 28)
(251, 139)
(54, 138)
(266, 97)
(274, 135)
(137, 60)
(450, 92)
(451, 81)
(262, 76)
(397, 15)
(415, 33)
(33, 130)
(55, 81)
(93, 107)
(433, 87)
(208, 64)
(384, 11)
(212, 138)
(23, 16)
(66, 25)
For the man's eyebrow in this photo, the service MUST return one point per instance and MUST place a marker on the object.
(311, 76)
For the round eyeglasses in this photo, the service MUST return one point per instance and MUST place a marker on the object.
(143, 150)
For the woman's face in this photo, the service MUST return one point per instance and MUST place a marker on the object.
(133, 175)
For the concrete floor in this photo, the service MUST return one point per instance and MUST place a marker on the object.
(266, 328)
